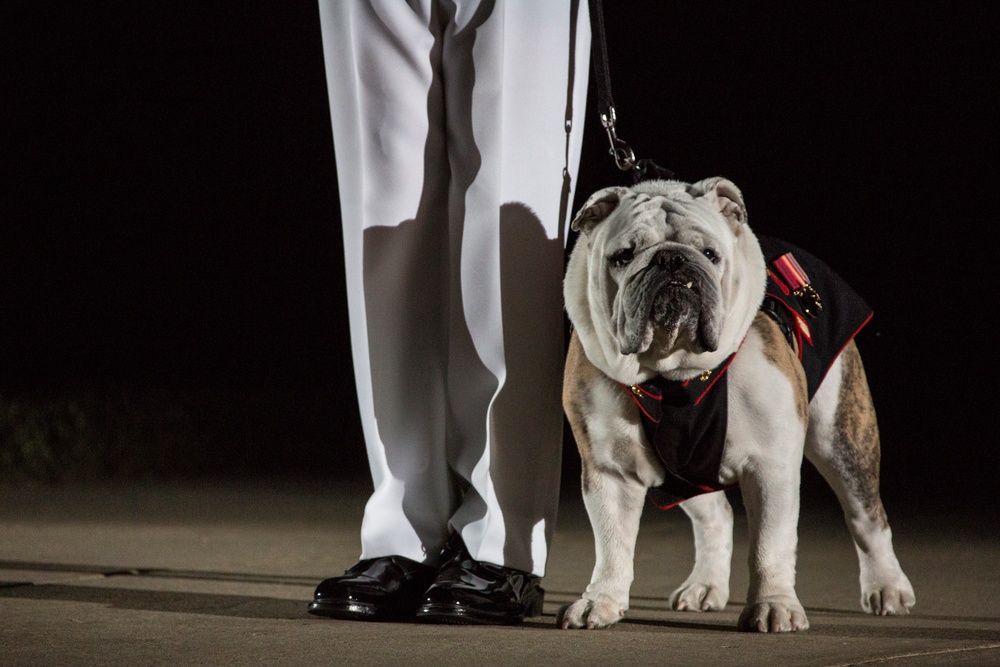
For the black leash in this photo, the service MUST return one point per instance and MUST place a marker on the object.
(622, 153)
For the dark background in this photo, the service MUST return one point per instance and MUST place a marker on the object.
(170, 253)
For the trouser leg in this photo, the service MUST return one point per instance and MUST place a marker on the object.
(387, 115)
(511, 140)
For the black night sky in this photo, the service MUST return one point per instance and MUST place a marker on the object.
(170, 214)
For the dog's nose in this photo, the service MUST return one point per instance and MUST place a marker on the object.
(670, 259)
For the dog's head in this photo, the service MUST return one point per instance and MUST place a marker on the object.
(665, 278)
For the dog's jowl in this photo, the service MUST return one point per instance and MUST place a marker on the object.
(705, 358)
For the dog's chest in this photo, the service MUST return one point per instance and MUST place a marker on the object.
(686, 424)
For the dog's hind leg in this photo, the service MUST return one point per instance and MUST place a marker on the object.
(843, 444)
(707, 587)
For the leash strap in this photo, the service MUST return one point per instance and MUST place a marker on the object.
(622, 153)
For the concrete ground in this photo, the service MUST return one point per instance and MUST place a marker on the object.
(220, 574)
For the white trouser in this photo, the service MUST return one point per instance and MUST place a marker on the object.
(456, 164)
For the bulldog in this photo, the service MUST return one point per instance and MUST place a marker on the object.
(703, 358)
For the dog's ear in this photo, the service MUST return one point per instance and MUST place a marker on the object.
(598, 207)
(726, 197)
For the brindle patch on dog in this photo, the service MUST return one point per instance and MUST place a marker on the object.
(780, 354)
(579, 375)
(856, 446)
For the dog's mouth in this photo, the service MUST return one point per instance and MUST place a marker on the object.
(674, 302)
(677, 311)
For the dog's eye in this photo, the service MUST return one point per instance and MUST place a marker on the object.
(621, 258)
(713, 256)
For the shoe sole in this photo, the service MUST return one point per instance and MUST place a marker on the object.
(454, 614)
(355, 612)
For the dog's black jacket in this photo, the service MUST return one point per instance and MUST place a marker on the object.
(685, 422)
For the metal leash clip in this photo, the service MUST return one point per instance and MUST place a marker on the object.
(625, 157)
(622, 153)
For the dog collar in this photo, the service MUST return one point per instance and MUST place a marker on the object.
(649, 395)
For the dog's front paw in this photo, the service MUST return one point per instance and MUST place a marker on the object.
(699, 596)
(888, 599)
(590, 614)
(778, 614)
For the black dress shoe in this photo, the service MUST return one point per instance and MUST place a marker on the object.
(467, 591)
(376, 589)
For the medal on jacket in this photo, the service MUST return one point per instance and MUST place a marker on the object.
(798, 280)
